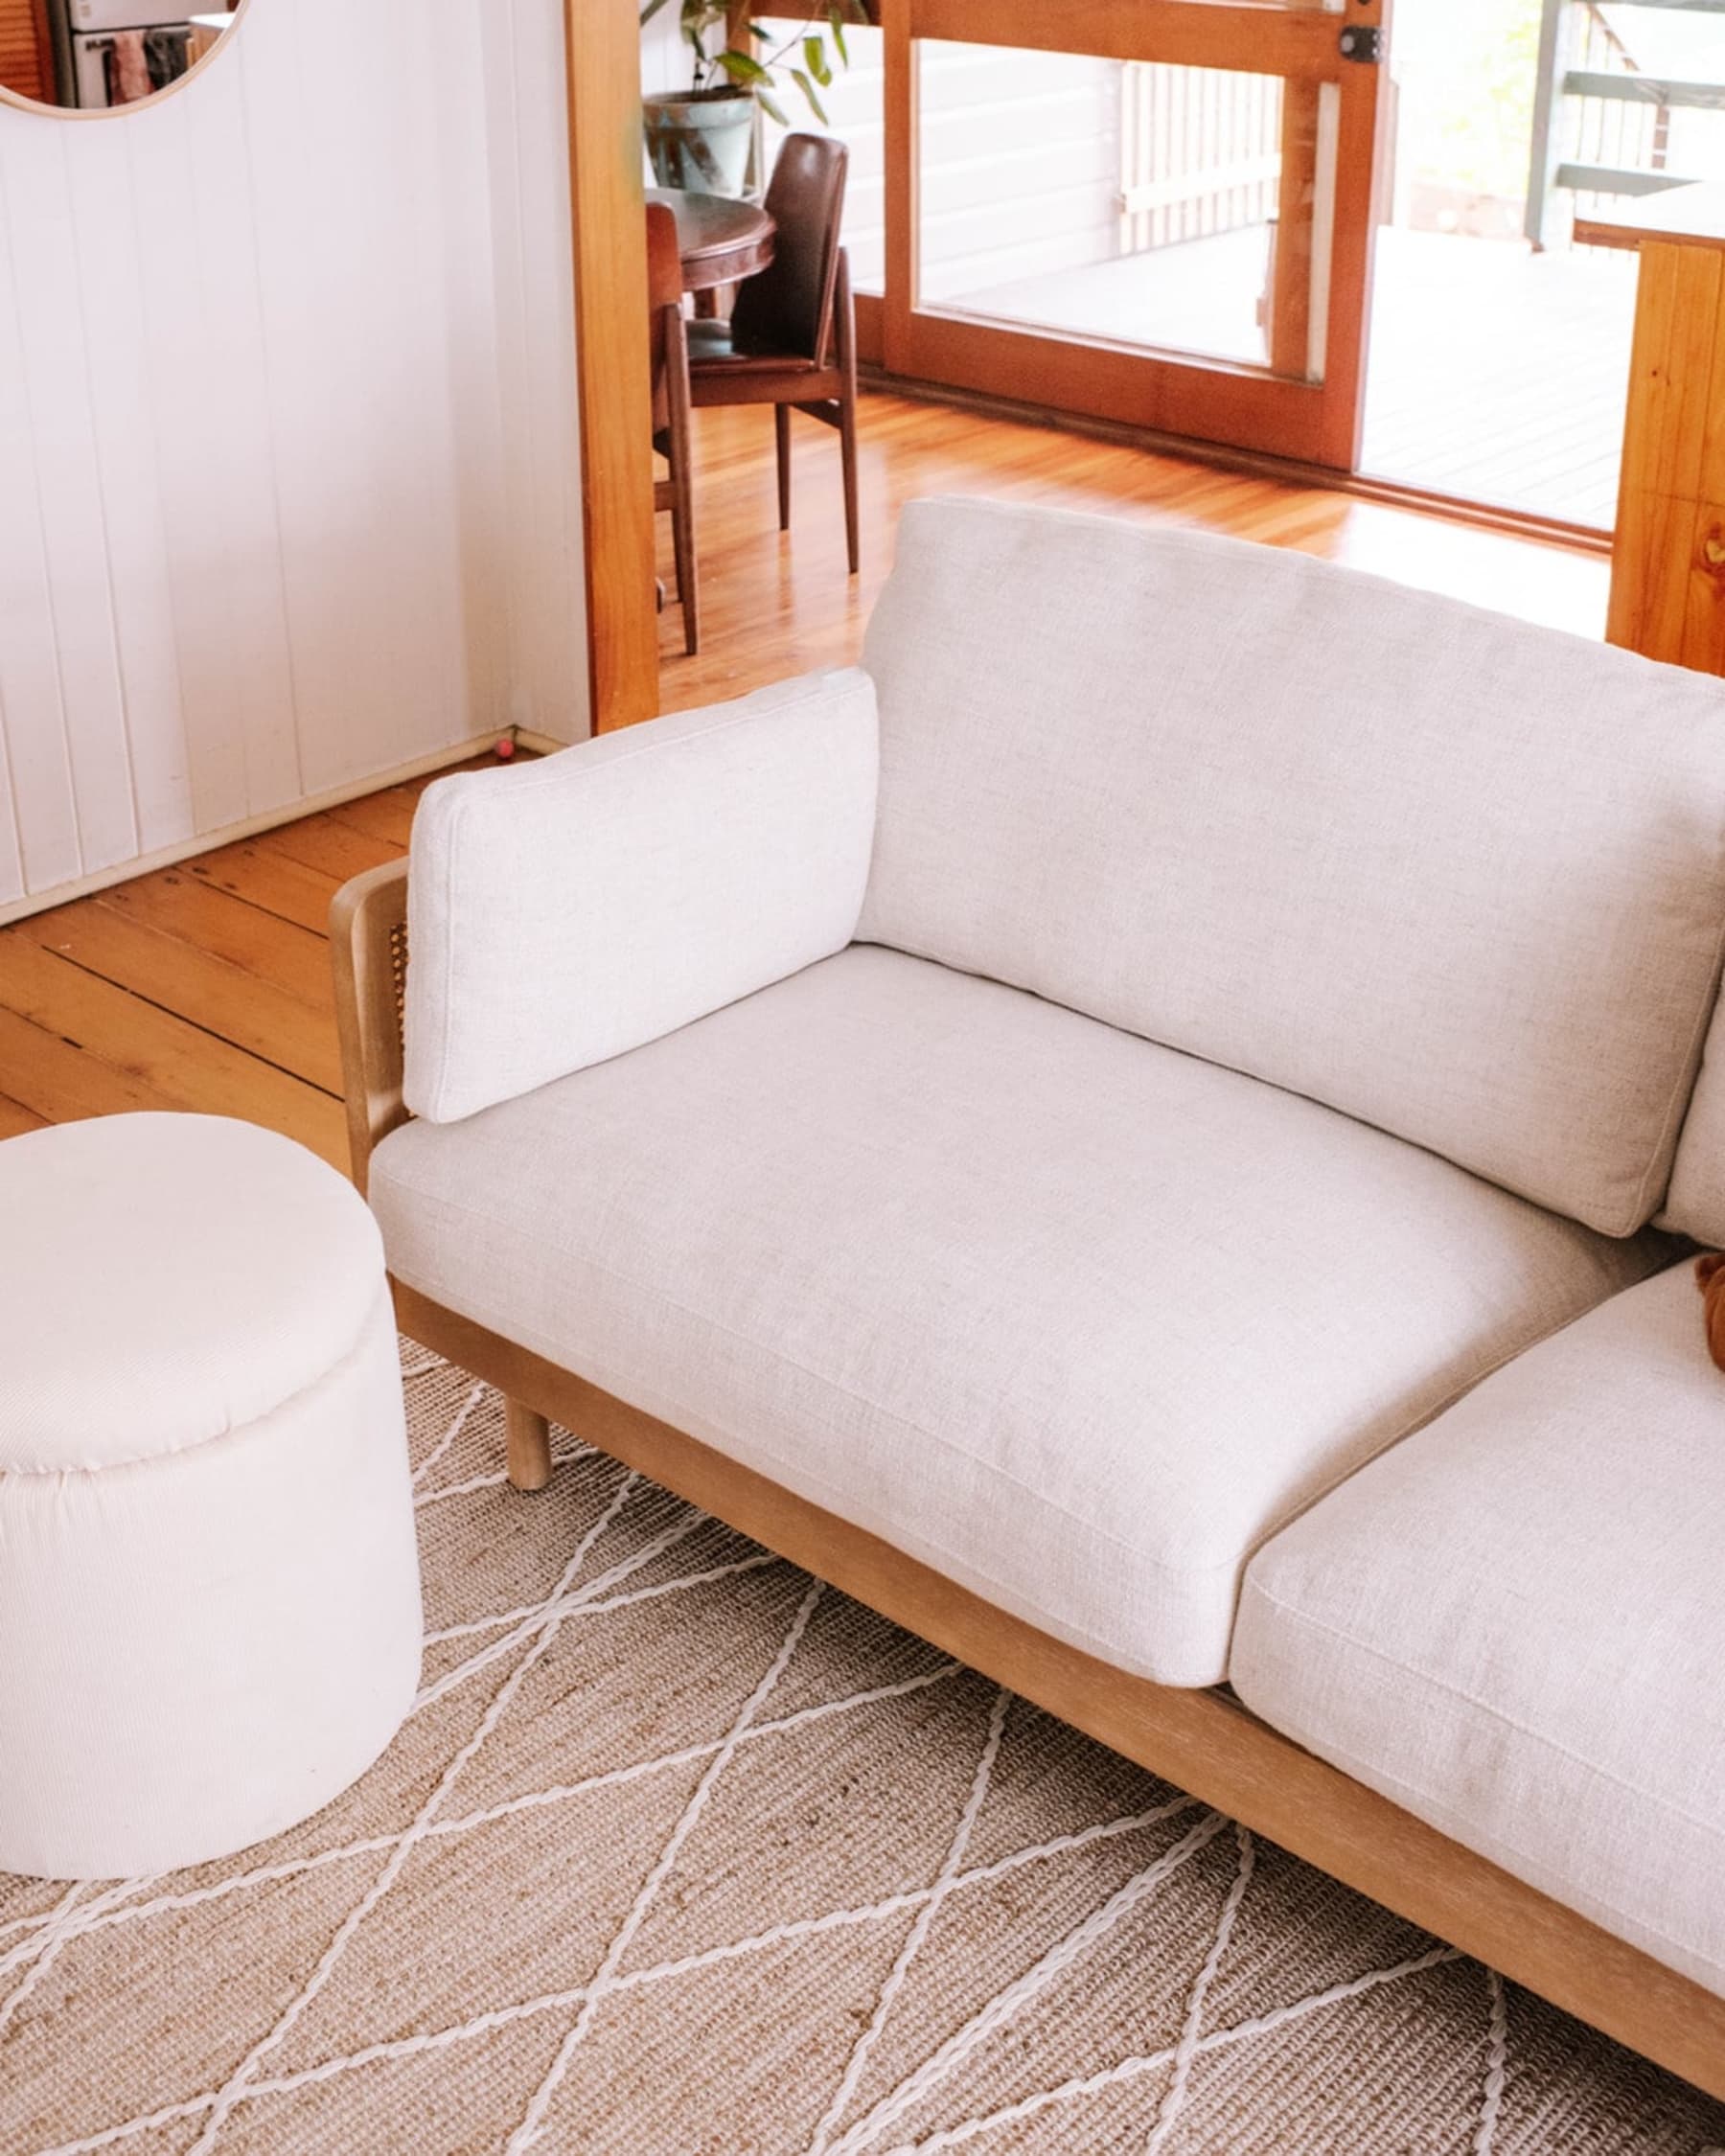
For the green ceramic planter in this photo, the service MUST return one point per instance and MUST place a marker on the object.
(699, 139)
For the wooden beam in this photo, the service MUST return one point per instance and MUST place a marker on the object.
(1299, 41)
(603, 44)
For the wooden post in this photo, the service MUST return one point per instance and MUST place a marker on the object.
(1667, 585)
(1668, 562)
(603, 42)
(1290, 324)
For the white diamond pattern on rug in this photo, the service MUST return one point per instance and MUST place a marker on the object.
(681, 1854)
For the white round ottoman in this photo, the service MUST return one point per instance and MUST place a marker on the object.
(209, 1585)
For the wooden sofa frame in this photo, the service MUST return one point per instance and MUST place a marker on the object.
(1204, 1742)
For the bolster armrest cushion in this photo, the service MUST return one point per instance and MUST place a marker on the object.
(561, 913)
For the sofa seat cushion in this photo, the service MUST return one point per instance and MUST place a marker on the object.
(1514, 1624)
(1075, 1318)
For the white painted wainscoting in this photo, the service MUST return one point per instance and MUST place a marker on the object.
(290, 497)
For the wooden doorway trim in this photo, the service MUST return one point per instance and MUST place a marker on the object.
(608, 215)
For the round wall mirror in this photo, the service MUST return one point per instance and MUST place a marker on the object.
(100, 55)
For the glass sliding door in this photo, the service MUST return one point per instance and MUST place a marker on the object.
(1152, 211)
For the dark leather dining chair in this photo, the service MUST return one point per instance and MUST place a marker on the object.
(668, 343)
(790, 341)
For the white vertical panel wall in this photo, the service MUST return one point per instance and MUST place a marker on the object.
(288, 477)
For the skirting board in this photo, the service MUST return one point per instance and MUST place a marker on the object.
(290, 812)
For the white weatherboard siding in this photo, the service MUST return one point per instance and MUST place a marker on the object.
(665, 62)
(1019, 157)
(1020, 166)
(288, 491)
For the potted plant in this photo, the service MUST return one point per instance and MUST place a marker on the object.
(700, 137)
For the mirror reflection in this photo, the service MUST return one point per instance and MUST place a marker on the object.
(95, 56)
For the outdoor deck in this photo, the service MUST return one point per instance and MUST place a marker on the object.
(1500, 374)
(1492, 373)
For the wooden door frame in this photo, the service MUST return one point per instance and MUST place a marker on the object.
(602, 42)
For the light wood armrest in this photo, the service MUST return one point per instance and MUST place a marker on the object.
(368, 944)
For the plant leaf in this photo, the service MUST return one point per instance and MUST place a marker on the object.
(697, 17)
(650, 10)
(772, 107)
(815, 54)
(808, 90)
(741, 67)
(836, 20)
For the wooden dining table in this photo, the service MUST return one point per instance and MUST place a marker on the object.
(721, 238)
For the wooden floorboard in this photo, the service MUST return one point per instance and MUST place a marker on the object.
(333, 849)
(239, 1006)
(15, 1118)
(185, 1064)
(774, 603)
(258, 941)
(387, 814)
(207, 985)
(270, 881)
(63, 1080)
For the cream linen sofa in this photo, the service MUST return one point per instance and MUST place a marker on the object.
(1146, 1133)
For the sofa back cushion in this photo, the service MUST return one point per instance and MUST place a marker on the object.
(561, 913)
(1459, 877)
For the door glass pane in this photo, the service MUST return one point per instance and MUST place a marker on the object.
(1171, 208)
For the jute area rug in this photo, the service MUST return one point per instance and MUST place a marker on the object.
(681, 1852)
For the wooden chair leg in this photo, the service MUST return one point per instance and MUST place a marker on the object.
(682, 481)
(527, 1446)
(847, 449)
(846, 354)
(781, 423)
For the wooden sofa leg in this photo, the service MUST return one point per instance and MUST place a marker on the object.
(528, 1446)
